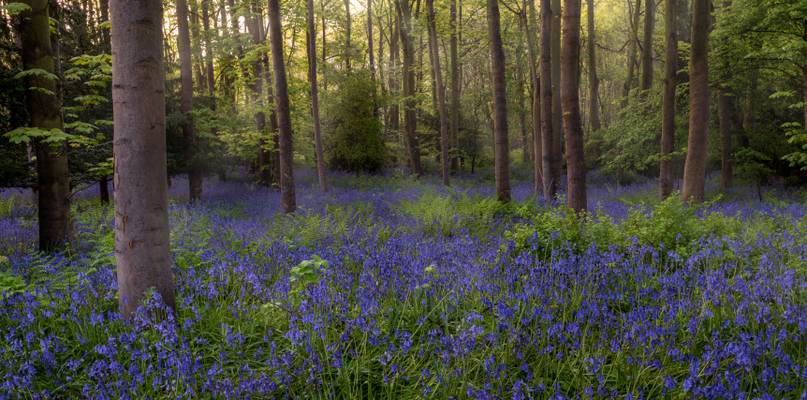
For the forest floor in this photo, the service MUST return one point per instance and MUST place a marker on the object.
(391, 288)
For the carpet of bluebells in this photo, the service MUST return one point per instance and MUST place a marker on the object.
(393, 288)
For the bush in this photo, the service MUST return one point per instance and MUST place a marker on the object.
(356, 143)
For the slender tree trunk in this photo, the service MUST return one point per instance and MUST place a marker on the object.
(455, 84)
(186, 102)
(348, 50)
(210, 75)
(749, 119)
(196, 52)
(312, 78)
(274, 154)
(394, 73)
(725, 115)
(557, 122)
(255, 27)
(632, 48)
(410, 103)
(647, 46)
(440, 89)
(547, 121)
(103, 182)
(287, 197)
(45, 112)
(142, 251)
(570, 85)
(501, 146)
(695, 166)
(593, 80)
(370, 55)
(532, 52)
(668, 106)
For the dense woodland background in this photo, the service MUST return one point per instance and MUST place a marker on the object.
(403, 84)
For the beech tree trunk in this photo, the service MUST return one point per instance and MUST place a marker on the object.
(557, 115)
(348, 22)
(570, 85)
(394, 73)
(255, 28)
(210, 74)
(647, 45)
(501, 147)
(45, 112)
(370, 55)
(440, 90)
(312, 79)
(409, 88)
(532, 53)
(695, 166)
(633, 47)
(186, 102)
(593, 79)
(668, 106)
(725, 116)
(455, 84)
(547, 136)
(103, 182)
(287, 197)
(141, 198)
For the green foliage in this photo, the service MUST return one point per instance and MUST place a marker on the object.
(307, 272)
(25, 134)
(355, 142)
(446, 215)
(15, 8)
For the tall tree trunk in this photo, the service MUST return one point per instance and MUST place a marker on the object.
(440, 90)
(547, 136)
(501, 147)
(196, 50)
(410, 103)
(593, 79)
(695, 166)
(394, 73)
(210, 75)
(141, 198)
(186, 102)
(668, 107)
(570, 85)
(370, 55)
(557, 122)
(103, 182)
(455, 84)
(312, 78)
(287, 197)
(255, 28)
(348, 50)
(633, 48)
(647, 45)
(532, 52)
(45, 112)
(274, 153)
(725, 116)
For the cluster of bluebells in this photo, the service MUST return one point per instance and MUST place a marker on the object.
(399, 313)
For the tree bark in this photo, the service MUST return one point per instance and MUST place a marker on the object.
(647, 45)
(141, 199)
(440, 91)
(501, 146)
(695, 166)
(312, 79)
(455, 84)
(210, 74)
(557, 122)
(547, 120)
(348, 21)
(410, 103)
(668, 106)
(186, 102)
(370, 55)
(725, 116)
(632, 49)
(394, 111)
(593, 79)
(287, 197)
(45, 112)
(530, 21)
(570, 85)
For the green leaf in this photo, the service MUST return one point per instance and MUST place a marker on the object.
(16, 8)
(36, 73)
